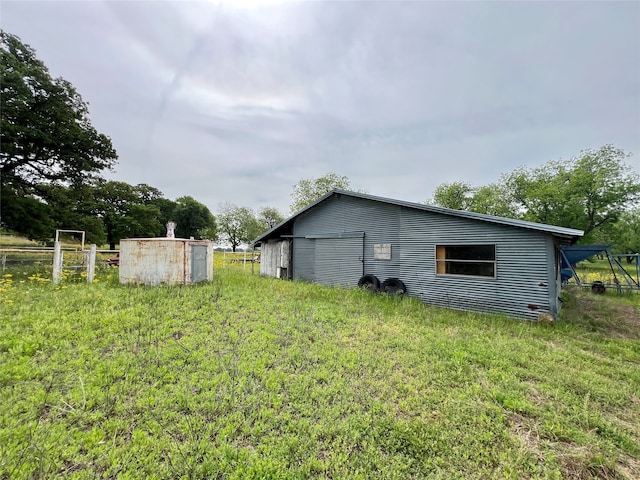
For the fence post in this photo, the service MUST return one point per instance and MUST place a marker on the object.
(57, 262)
(91, 264)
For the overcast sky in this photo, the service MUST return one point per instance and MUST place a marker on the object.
(238, 101)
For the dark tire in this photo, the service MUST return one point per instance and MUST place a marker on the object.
(369, 282)
(598, 287)
(394, 286)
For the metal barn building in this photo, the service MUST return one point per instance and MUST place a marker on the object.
(445, 257)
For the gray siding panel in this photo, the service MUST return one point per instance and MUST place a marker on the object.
(525, 273)
(379, 222)
(338, 261)
(304, 252)
(553, 272)
(521, 287)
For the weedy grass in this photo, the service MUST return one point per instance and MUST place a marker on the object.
(249, 377)
(9, 240)
(600, 270)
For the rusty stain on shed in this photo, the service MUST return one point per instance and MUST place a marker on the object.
(171, 261)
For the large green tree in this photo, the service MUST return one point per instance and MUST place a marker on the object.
(456, 195)
(66, 207)
(623, 234)
(193, 219)
(128, 211)
(493, 199)
(237, 225)
(47, 141)
(113, 201)
(268, 217)
(588, 192)
(308, 190)
(46, 133)
(26, 214)
(74, 207)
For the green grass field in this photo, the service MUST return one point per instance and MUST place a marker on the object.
(248, 377)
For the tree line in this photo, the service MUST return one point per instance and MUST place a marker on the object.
(109, 211)
(596, 191)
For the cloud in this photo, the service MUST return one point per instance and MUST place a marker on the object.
(237, 103)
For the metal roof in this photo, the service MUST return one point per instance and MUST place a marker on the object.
(563, 232)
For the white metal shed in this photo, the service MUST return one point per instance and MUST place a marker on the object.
(170, 261)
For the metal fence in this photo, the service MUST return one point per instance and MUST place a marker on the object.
(29, 260)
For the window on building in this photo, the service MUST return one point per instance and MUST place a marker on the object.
(472, 260)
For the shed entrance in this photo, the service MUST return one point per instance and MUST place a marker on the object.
(338, 260)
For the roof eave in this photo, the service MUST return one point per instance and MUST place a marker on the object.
(260, 239)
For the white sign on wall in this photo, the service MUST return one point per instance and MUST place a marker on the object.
(382, 251)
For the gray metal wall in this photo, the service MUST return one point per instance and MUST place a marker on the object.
(378, 222)
(525, 283)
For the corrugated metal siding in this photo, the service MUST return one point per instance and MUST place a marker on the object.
(525, 274)
(304, 252)
(337, 261)
(379, 221)
(521, 287)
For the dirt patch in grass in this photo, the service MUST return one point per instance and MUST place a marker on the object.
(576, 462)
(604, 314)
(581, 462)
(526, 430)
(629, 467)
